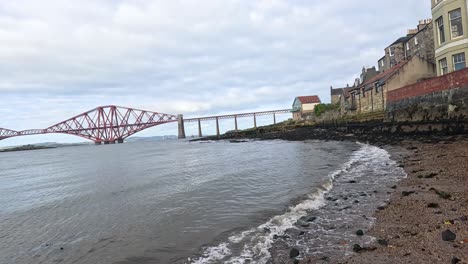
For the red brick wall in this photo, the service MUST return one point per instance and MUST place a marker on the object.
(445, 82)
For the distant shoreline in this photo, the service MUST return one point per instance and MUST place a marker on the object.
(25, 148)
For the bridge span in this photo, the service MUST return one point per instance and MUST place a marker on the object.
(112, 124)
(230, 116)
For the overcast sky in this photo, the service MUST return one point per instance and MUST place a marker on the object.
(195, 57)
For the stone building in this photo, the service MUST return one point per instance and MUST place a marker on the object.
(418, 41)
(348, 104)
(336, 94)
(371, 95)
(421, 42)
(304, 105)
(451, 36)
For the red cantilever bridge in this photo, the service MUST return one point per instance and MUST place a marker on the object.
(111, 124)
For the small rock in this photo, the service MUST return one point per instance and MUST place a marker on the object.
(405, 193)
(293, 253)
(275, 237)
(352, 181)
(383, 242)
(360, 232)
(433, 205)
(311, 219)
(357, 248)
(356, 201)
(455, 260)
(302, 223)
(381, 208)
(393, 187)
(296, 261)
(61, 248)
(448, 235)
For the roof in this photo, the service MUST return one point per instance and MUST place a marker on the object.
(336, 91)
(401, 40)
(312, 99)
(341, 91)
(347, 90)
(382, 77)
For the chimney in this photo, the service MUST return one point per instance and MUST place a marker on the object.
(412, 31)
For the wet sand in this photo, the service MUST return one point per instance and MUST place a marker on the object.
(430, 201)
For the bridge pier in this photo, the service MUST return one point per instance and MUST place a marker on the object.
(274, 118)
(235, 123)
(180, 121)
(217, 127)
(97, 142)
(120, 141)
(255, 120)
(106, 142)
(199, 128)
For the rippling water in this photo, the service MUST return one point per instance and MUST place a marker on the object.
(160, 201)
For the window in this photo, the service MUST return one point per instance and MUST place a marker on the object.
(443, 66)
(377, 87)
(440, 31)
(407, 45)
(390, 51)
(382, 63)
(415, 40)
(456, 26)
(459, 61)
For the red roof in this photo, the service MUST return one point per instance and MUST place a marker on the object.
(312, 99)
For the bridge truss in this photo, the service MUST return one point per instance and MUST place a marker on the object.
(104, 124)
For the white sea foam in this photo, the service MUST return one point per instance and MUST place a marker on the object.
(258, 241)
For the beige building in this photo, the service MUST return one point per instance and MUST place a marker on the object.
(371, 96)
(450, 34)
(303, 105)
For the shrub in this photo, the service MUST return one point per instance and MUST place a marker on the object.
(322, 108)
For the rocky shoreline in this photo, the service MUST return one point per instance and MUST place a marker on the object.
(425, 220)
